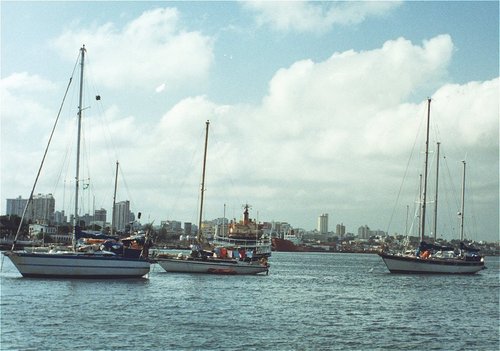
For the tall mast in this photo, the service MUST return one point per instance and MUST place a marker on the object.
(77, 176)
(406, 224)
(436, 198)
(224, 222)
(420, 203)
(463, 206)
(424, 193)
(114, 201)
(257, 227)
(200, 235)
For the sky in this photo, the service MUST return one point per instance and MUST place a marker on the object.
(314, 107)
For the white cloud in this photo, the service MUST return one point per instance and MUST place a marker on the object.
(160, 88)
(470, 111)
(23, 116)
(331, 136)
(150, 50)
(24, 82)
(335, 103)
(304, 16)
(20, 96)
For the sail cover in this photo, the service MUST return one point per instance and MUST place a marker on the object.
(433, 247)
(80, 234)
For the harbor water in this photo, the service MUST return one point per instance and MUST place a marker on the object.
(309, 301)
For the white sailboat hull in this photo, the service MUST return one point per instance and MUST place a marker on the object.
(410, 264)
(182, 265)
(77, 265)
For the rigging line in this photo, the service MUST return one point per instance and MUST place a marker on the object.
(109, 145)
(451, 199)
(69, 143)
(127, 189)
(65, 162)
(470, 220)
(66, 165)
(449, 224)
(225, 168)
(187, 176)
(30, 199)
(100, 110)
(453, 186)
(108, 138)
(86, 165)
(404, 176)
(412, 225)
(107, 135)
(88, 129)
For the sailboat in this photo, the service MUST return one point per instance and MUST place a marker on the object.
(102, 264)
(218, 261)
(431, 258)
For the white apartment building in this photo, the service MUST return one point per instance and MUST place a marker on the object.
(323, 223)
(122, 215)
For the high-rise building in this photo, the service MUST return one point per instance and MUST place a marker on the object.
(60, 217)
(15, 207)
(122, 215)
(187, 228)
(86, 219)
(364, 232)
(276, 228)
(42, 208)
(340, 230)
(99, 219)
(172, 226)
(323, 223)
(100, 215)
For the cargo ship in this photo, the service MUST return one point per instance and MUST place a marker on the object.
(288, 243)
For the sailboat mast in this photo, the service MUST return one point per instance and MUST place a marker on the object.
(77, 176)
(406, 224)
(200, 235)
(257, 227)
(463, 206)
(224, 222)
(420, 207)
(436, 198)
(114, 201)
(424, 193)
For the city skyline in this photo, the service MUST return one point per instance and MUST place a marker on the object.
(363, 231)
(315, 107)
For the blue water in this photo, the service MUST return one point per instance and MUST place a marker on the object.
(309, 301)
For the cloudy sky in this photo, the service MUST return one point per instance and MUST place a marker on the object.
(314, 107)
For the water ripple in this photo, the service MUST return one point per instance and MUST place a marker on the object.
(308, 302)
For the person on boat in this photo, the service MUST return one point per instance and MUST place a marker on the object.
(248, 256)
(242, 254)
(205, 254)
(195, 251)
